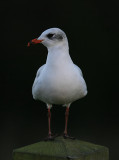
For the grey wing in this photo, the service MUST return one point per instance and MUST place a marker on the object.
(84, 83)
(37, 75)
(79, 70)
(40, 70)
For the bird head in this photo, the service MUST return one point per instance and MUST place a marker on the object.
(50, 37)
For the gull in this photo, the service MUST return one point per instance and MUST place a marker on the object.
(59, 81)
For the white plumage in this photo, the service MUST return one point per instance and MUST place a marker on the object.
(59, 81)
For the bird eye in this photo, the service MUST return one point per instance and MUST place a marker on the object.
(50, 35)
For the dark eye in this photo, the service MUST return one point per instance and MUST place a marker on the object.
(50, 35)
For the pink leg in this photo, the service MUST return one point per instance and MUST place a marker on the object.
(66, 122)
(49, 119)
(50, 137)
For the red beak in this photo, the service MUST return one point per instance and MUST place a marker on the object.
(34, 41)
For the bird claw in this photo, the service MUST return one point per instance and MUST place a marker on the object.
(51, 137)
(66, 136)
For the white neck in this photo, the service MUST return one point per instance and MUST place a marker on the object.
(58, 55)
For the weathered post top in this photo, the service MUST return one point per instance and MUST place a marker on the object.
(62, 149)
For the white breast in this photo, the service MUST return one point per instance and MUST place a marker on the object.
(60, 81)
(55, 86)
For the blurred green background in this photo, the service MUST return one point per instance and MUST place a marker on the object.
(92, 29)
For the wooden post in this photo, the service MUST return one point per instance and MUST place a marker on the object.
(62, 149)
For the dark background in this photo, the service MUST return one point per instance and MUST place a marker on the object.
(92, 29)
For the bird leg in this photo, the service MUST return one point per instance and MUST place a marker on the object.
(65, 135)
(49, 119)
(66, 120)
(50, 137)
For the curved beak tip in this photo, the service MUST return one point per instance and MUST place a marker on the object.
(34, 41)
(28, 45)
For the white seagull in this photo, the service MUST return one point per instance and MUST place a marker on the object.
(59, 81)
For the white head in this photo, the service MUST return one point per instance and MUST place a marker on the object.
(51, 37)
